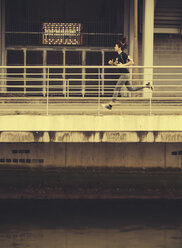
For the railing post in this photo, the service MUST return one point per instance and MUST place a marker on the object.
(67, 88)
(44, 72)
(103, 71)
(99, 90)
(25, 71)
(3, 77)
(150, 101)
(83, 72)
(47, 104)
(64, 73)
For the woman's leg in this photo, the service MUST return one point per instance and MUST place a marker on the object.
(118, 87)
(121, 81)
(131, 88)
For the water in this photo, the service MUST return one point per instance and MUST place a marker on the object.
(91, 224)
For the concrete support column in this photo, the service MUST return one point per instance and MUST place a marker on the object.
(2, 32)
(135, 53)
(131, 35)
(148, 41)
(136, 76)
(2, 43)
(126, 17)
(131, 29)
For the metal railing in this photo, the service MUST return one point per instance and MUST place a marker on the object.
(34, 38)
(83, 90)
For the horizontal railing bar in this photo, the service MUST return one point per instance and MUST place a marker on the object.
(79, 87)
(81, 73)
(86, 79)
(107, 87)
(82, 98)
(86, 66)
(60, 35)
(86, 74)
(88, 91)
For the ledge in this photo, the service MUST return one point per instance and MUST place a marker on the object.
(91, 123)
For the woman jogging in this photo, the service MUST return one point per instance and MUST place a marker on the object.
(122, 61)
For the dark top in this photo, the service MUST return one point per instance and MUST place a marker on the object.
(122, 58)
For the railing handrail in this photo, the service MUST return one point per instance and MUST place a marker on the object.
(88, 66)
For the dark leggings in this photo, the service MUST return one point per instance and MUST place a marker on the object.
(123, 80)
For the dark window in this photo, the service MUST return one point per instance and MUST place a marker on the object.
(73, 58)
(22, 160)
(34, 160)
(54, 58)
(20, 151)
(15, 57)
(93, 58)
(34, 58)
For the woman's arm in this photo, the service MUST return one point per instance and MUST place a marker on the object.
(125, 65)
(130, 62)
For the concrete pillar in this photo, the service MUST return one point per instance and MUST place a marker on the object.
(135, 53)
(131, 29)
(131, 35)
(148, 42)
(2, 32)
(2, 44)
(136, 76)
(126, 17)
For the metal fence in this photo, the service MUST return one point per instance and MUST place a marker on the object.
(94, 39)
(84, 89)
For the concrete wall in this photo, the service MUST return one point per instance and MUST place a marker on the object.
(167, 52)
(89, 123)
(91, 137)
(138, 155)
(167, 49)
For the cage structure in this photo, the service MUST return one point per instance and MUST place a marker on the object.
(62, 34)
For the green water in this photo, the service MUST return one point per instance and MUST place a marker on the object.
(90, 223)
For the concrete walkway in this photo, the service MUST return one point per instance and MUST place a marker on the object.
(59, 107)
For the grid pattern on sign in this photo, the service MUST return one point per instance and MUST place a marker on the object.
(62, 34)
